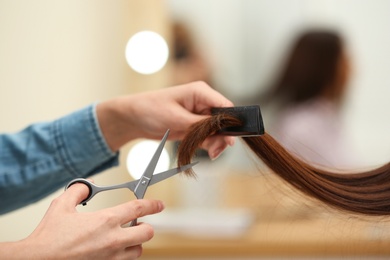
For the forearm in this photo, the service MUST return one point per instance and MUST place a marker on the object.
(45, 156)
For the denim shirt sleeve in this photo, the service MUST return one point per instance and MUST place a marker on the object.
(45, 156)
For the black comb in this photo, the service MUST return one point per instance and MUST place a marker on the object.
(250, 117)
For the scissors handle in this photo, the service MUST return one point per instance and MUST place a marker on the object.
(95, 189)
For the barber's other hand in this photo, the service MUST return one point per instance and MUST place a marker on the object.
(65, 233)
(150, 114)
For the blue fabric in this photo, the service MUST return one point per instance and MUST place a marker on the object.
(45, 156)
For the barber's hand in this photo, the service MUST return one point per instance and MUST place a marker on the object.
(150, 114)
(65, 233)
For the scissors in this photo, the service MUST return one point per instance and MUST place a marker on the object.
(138, 187)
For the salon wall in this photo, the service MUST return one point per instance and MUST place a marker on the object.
(58, 56)
(246, 40)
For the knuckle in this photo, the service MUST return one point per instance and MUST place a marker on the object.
(108, 218)
(200, 83)
(138, 208)
(115, 245)
(55, 202)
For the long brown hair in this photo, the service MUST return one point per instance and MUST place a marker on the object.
(314, 68)
(365, 193)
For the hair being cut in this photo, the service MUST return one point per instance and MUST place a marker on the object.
(365, 193)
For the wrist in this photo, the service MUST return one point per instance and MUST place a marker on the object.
(115, 121)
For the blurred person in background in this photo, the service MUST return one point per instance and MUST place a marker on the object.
(309, 95)
(189, 63)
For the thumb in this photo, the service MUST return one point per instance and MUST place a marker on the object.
(75, 194)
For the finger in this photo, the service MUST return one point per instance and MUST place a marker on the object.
(184, 122)
(230, 140)
(209, 97)
(136, 208)
(133, 252)
(216, 144)
(75, 194)
(131, 238)
(198, 97)
(139, 234)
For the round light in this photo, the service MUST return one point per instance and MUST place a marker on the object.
(146, 52)
(140, 155)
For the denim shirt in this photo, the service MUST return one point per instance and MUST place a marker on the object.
(45, 156)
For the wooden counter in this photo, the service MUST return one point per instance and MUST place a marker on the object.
(321, 237)
(285, 224)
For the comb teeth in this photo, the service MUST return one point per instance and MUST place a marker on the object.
(249, 115)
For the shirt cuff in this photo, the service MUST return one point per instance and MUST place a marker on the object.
(80, 145)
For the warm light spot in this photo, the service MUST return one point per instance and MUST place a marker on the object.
(147, 52)
(140, 155)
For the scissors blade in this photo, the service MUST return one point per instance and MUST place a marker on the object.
(143, 182)
(165, 175)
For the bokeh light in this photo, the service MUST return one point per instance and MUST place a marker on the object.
(147, 52)
(140, 155)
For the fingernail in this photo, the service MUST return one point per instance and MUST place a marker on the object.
(161, 206)
(216, 154)
(231, 141)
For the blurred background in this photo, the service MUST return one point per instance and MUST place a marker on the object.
(58, 56)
